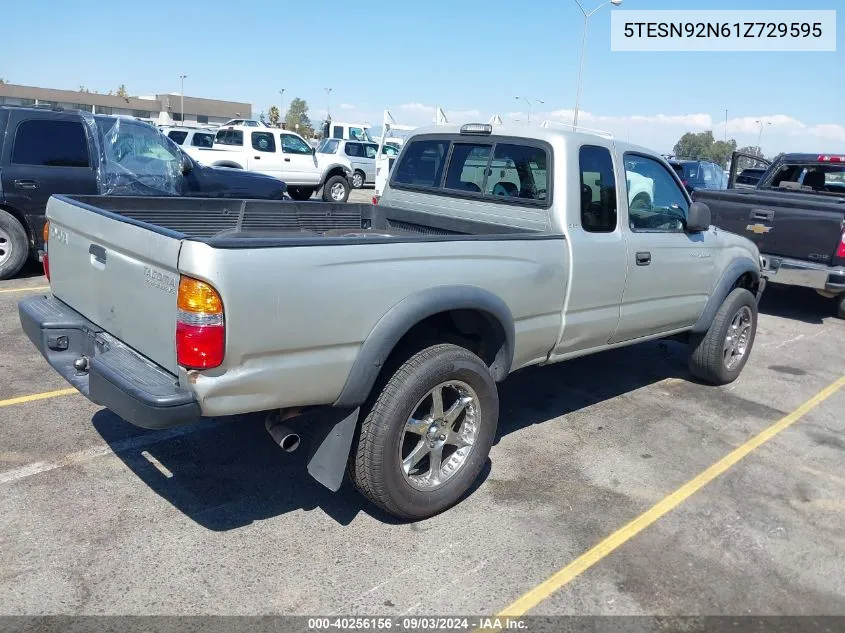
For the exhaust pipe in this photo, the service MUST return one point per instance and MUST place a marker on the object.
(282, 435)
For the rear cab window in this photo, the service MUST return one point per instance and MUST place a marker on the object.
(230, 137)
(489, 168)
(177, 136)
(202, 139)
(598, 189)
(50, 143)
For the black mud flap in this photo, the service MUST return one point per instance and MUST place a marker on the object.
(331, 439)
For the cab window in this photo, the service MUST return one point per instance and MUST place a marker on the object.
(294, 145)
(656, 202)
(422, 163)
(518, 171)
(598, 190)
(263, 142)
(467, 167)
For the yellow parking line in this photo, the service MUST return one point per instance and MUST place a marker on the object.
(581, 564)
(37, 396)
(33, 288)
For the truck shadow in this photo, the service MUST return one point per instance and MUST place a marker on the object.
(794, 302)
(226, 473)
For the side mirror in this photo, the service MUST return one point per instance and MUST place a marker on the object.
(187, 164)
(698, 218)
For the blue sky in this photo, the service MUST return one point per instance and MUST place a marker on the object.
(470, 57)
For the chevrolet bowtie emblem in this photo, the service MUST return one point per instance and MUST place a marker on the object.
(758, 229)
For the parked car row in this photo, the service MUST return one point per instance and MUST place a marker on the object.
(279, 153)
(361, 155)
(45, 152)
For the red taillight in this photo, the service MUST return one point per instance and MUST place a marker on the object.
(831, 159)
(200, 327)
(375, 199)
(45, 261)
(840, 252)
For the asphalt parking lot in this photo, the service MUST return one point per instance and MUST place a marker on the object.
(100, 517)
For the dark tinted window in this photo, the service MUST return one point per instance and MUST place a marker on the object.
(655, 201)
(202, 118)
(518, 171)
(467, 167)
(263, 142)
(178, 137)
(354, 149)
(51, 143)
(422, 163)
(337, 132)
(230, 137)
(202, 139)
(598, 190)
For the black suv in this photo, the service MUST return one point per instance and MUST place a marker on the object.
(43, 152)
(699, 174)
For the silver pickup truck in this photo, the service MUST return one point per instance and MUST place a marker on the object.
(385, 327)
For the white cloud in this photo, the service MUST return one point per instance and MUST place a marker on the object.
(661, 131)
(346, 106)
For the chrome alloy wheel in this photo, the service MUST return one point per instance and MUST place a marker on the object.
(736, 341)
(337, 192)
(439, 435)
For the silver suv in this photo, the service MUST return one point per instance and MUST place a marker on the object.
(361, 154)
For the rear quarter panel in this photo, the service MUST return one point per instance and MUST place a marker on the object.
(296, 316)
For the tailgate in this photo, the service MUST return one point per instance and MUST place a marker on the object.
(117, 273)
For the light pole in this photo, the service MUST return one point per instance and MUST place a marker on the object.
(182, 77)
(529, 105)
(760, 136)
(328, 103)
(587, 16)
(281, 106)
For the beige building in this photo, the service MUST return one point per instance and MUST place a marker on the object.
(163, 109)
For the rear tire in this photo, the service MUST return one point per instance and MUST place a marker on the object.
(14, 245)
(300, 193)
(336, 189)
(719, 356)
(840, 306)
(388, 461)
(358, 179)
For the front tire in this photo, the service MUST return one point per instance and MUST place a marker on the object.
(427, 435)
(14, 245)
(719, 356)
(300, 193)
(336, 189)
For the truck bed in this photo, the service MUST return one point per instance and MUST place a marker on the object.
(262, 223)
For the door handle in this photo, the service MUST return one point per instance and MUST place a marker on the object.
(26, 184)
(287, 160)
(643, 258)
(257, 157)
(766, 215)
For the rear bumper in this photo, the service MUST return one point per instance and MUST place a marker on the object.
(116, 376)
(796, 272)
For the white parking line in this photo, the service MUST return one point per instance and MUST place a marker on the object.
(132, 443)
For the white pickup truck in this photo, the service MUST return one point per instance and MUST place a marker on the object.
(282, 154)
(488, 252)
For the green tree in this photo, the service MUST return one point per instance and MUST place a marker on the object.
(751, 149)
(121, 91)
(720, 152)
(297, 114)
(275, 117)
(83, 89)
(694, 146)
(748, 163)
